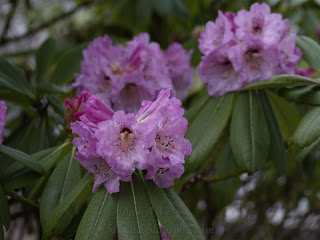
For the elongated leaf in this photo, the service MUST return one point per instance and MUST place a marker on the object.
(277, 152)
(206, 129)
(13, 78)
(303, 94)
(281, 81)
(61, 182)
(50, 88)
(174, 216)
(67, 66)
(54, 156)
(305, 152)
(310, 50)
(308, 130)
(4, 210)
(63, 207)
(99, 220)
(44, 57)
(23, 158)
(135, 217)
(249, 135)
(194, 111)
(287, 117)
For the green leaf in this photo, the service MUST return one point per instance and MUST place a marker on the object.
(135, 217)
(305, 152)
(194, 111)
(308, 130)
(63, 207)
(13, 78)
(4, 210)
(23, 158)
(60, 183)
(303, 94)
(99, 220)
(287, 117)
(281, 81)
(206, 129)
(249, 135)
(174, 216)
(163, 7)
(310, 50)
(50, 88)
(44, 58)
(67, 66)
(50, 156)
(277, 152)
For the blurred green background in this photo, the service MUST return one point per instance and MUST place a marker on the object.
(259, 206)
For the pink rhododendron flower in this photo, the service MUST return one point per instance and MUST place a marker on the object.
(246, 47)
(180, 71)
(124, 76)
(3, 111)
(169, 146)
(112, 144)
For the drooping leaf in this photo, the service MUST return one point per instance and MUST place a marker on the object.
(302, 94)
(306, 151)
(50, 88)
(61, 182)
(281, 81)
(287, 117)
(135, 217)
(277, 152)
(173, 214)
(68, 66)
(13, 78)
(23, 158)
(44, 57)
(310, 50)
(4, 210)
(249, 136)
(63, 207)
(308, 129)
(99, 220)
(206, 129)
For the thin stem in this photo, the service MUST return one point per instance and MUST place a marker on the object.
(46, 24)
(22, 199)
(218, 178)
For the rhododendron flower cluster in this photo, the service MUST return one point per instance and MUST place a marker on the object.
(3, 111)
(112, 144)
(123, 76)
(246, 47)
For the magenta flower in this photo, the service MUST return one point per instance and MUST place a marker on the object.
(123, 142)
(246, 47)
(73, 108)
(218, 71)
(169, 146)
(180, 71)
(305, 72)
(3, 111)
(123, 76)
(254, 60)
(216, 33)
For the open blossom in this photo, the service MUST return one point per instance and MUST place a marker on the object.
(246, 47)
(93, 112)
(180, 71)
(123, 142)
(112, 144)
(125, 75)
(3, 111)
(169, 146)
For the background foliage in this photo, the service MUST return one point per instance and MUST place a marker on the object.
(272, 194)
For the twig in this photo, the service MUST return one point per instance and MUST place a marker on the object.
(8, 20)
(218, 178)
(46, 24)
(22, 199)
